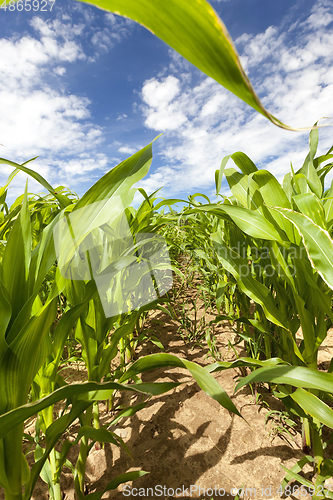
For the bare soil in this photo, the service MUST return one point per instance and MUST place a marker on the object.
(185, 438)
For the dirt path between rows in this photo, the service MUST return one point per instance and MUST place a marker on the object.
(185, 438)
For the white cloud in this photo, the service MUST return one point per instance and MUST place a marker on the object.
(59, 70)
(162, 114)
(127, 150)
(81, 165)
(322, 16)
(157, 94)
(102, 39)
(291, 71)
(38, 116)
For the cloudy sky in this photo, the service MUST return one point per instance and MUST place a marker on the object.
(83, 89)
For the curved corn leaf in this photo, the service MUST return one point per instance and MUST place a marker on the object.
(120, 178)
(244, 163)
(317, 242)
(270, 189)
(112, 485)
(297, 468)
(205, 381)
(313, 406)
(258, 292)
(63, 200)
(193, 29)
(219, 173)
(308, 204)
(297, 376)
(238, 184)
(226, 365)
(86, 392)
(250, 222)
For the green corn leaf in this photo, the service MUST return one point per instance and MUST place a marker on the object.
(111, 351)
(112, 485)
(226, 365)
(205, 381)
(297, 468)
(297, 376)
(244, 163)
(313, 141)
(169, 202)
(23, 358)
(119, 179)
(308, 204)
(16, 260)
(328, 205)
(239, 268)
(6, 313)
(312, 181)
(127, 412)
(298, 477)
(320, 159)
(219, 173)
(238, 184)
(252, 223)
(193, 29)
(101, 435)
(317, 242)
(63, 200)
(103, 203)
(274, 195)
(46, 472)
(85, 393)
(313, 406)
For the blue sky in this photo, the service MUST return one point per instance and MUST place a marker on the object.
(83, 89)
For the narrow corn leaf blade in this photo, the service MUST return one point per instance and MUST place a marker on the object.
(112, 485)
(258, 292)
(308, 204)
(16, 260)
(252, 223)
(313, 406)
(193, 29)
(85, 392)
(219, 173)
(120, 178)
(226, 365)
(238, 184)
(63, 200)
(206, 381)
(270, 189)
(298, 376)
(244, 163)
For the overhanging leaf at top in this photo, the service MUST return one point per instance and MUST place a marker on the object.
(193, 29)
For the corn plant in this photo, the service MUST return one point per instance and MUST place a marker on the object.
(293, 223)
(32, 280)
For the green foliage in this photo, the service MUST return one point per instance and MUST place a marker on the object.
(193, 29)
(40, 311)
(264, 255)
(273, 252)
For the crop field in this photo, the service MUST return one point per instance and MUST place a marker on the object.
(164, 352)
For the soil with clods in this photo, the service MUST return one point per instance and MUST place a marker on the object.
(191, 446)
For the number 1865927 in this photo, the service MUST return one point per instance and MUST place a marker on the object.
(26, 5)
